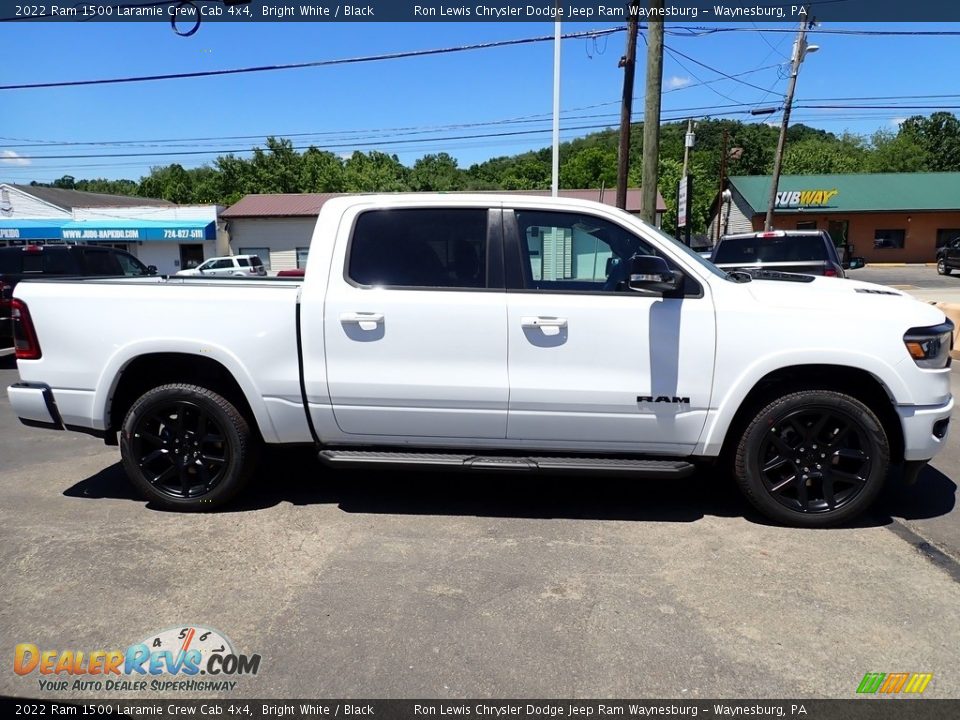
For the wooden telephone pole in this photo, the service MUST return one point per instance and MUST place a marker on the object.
(628, 62)
(651, 114)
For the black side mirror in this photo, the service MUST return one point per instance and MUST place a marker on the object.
(651, 273)
(151, 269)
(856, 263)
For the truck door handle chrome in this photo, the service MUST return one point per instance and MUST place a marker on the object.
(541, 322)
(366, 320)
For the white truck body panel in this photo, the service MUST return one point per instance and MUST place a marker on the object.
(476, 368)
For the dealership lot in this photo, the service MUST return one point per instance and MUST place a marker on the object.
(388, 584)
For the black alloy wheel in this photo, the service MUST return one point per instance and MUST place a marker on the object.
(813, 458)
(186, 447)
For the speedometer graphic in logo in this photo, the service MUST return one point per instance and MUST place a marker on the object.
(181, 640)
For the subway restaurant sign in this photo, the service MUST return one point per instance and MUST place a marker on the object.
(789, 199)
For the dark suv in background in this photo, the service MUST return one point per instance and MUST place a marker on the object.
(26, 261)
(948, 257)
(809, 252)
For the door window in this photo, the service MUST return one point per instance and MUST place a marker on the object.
(569, 251)
(101, 262)
(436, 248)
(130, 265)
(223, 264)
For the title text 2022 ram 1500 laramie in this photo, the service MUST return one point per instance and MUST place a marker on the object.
(495, 332)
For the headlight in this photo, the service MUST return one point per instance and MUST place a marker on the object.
(930, 346)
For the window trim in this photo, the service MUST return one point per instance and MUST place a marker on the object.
(494, 261)
(517, 270)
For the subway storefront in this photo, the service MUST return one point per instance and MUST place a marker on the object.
(886, 217)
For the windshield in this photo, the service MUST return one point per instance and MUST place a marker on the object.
(692, 254)
(788, 248)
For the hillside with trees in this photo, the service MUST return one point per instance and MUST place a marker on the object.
(919, 144)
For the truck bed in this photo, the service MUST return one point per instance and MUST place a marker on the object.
(247, 325)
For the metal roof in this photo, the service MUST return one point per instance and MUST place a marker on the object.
(309, 204)
(867, 192)
(69, 199)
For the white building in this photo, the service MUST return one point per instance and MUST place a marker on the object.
(157, 232)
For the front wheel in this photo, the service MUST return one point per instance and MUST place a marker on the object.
(813, 458)
(187, 448)
(942, 268)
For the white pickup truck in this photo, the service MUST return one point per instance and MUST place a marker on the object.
(489, 332)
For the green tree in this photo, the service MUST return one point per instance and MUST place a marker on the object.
(374, 172)
(938, 136)
(436, 173)
(321, 171)
(590, 168)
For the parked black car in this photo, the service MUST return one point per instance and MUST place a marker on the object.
(948, 257)
(27, 261)
(809, 252)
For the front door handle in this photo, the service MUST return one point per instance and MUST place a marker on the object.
(366, 320)
(542, 322)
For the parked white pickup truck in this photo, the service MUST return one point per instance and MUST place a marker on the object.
(483, 332)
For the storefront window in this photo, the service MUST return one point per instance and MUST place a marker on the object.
(888, 239)
(807, 225)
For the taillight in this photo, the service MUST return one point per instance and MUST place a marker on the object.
(24, 336)
(830, 272)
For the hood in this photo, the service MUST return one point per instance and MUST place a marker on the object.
(844, 297)
(191, 271)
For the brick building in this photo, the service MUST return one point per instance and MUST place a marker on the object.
(887, 217)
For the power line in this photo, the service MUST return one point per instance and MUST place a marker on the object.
(317, 63)
(718, 72)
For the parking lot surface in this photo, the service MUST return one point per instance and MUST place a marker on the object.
(385, 584)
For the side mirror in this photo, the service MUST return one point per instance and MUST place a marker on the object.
(856, 263)
(651, 273)
(151, 269)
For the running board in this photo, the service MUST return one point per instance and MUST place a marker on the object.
(545, 463)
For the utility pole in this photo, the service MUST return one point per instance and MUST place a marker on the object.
(555, 168)
(628, 62)
(684, 190)
(800, 49)
(723, 176)
(651, 112)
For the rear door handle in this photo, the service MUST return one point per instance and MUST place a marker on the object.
(541, 322)
(366, 320)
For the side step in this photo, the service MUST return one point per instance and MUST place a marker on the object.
(639, 468)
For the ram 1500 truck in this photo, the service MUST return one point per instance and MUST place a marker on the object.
(489, 332)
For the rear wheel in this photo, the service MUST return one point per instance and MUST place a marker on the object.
(813, 458)
(187, 448)
(942, 268)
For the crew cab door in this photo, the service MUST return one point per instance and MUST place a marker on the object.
(594, 365)
(415, 324)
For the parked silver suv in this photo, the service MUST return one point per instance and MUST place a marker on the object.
(229, 266)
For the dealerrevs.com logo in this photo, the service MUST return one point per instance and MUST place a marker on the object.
(187, 658)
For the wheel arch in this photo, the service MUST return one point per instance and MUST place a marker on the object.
(216, 371)
(853, 381)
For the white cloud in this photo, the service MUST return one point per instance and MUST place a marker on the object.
(675, 81)
(9, 157)
(896, 121)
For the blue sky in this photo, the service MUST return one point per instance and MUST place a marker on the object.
(377, 98)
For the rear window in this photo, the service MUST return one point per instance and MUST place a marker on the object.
(48, 262)
(788, 248)
(256, 261)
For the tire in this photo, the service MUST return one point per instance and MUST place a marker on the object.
(942, 268)
(814, 458)
(186, 448)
